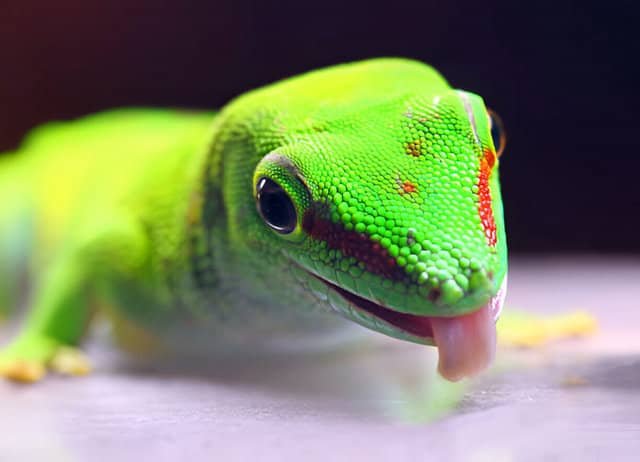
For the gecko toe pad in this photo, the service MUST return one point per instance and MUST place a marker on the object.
(22, 370)
(70, 361)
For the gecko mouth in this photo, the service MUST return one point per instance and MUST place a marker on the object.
(419, 326)
(466, 343)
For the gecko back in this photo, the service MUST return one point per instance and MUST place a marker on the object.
(65, 173)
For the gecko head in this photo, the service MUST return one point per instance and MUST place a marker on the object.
(393, 210)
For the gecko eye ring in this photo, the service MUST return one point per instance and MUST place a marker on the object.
(275, 206)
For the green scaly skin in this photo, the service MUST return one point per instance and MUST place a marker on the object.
(392, 174)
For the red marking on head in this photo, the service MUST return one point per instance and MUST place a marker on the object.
(352, 244)
(484, 194)
(408, 187)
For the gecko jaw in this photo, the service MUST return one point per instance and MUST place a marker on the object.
(466, 343)
(415, 325)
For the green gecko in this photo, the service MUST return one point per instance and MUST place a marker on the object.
(369, 190)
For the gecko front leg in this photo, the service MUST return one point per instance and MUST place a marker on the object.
(61, 310)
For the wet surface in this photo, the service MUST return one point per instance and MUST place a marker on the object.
(573, 400)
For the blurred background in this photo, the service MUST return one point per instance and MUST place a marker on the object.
(563, 76)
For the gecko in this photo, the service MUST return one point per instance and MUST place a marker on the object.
(365, 193)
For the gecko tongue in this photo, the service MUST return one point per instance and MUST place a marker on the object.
(466, 344)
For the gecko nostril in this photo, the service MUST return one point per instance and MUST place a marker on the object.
(434, 295)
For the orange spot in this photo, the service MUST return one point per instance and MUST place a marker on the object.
(408, 187)
(414, 148)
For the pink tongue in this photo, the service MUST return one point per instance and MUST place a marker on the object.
(466, 344)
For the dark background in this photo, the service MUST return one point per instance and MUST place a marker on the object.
(562, 76)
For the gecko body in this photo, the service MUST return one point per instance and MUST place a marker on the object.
(367, 190)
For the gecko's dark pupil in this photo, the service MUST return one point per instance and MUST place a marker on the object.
(276, 206)
(497, 132)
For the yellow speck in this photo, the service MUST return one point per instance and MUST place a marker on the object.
(574, 381)
(531, 330)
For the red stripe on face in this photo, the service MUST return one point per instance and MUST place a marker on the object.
(353, 244)
(484, 194)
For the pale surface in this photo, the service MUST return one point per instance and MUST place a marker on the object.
(579, 400)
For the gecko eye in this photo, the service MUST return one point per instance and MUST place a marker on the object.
(498, 134)
(275, 206)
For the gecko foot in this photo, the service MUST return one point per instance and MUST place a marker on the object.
(29, 358)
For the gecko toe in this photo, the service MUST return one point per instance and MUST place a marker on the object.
(70, 361)
(22, 370)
